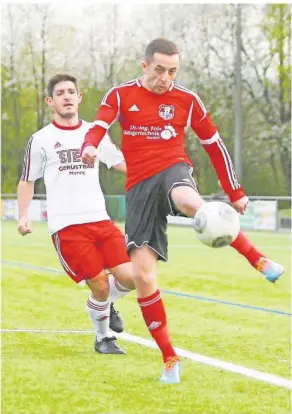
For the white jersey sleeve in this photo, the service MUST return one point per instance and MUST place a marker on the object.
(109, 153)
(33, 165)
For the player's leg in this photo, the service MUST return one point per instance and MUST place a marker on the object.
(104, 281)
(113, 248)
(144, 261)
(116, 291)
(81, 260)
(183, 196)
(98, 308)
(116, 322)
(147, 242)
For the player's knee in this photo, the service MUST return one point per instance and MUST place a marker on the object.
(124, 275)
(187, 208)
(186, 200)
(99, 286)
(144, 262)
(144, 275)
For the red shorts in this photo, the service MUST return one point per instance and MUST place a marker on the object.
(85, 250)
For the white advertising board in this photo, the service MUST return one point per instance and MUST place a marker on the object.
(37, 210)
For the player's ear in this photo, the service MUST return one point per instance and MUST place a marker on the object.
(79, 97)
(144, 66)
(49, 100)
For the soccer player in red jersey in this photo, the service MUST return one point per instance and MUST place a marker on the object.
(154, 112)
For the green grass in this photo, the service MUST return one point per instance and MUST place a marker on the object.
(60, 373)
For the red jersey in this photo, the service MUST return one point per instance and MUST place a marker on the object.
(153, 132)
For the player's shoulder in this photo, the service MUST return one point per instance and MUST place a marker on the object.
(134, 83)
(42, 133)
(183, 90)
(86, 124)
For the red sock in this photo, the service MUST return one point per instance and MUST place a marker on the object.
(245, 247)
(154, 315)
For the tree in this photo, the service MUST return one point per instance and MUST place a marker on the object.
(267, 83)
(278, 31)
(104, 44)
(38, 54)
(10, 99)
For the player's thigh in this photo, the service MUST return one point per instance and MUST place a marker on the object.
(112, 245)
(78, 254)
(181, 190)
(158, 242)
(142, 203)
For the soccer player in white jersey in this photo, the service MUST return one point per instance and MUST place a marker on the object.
(85, 238)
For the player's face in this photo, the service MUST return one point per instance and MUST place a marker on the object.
(160, 72)
(65, 99)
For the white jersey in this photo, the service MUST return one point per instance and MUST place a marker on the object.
(73, 190)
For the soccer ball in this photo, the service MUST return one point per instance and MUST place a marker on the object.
(216, 224)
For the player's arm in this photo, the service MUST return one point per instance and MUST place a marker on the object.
(25, 192)
(106, 115)
(111, 155)
(213, 144)
(32, 170)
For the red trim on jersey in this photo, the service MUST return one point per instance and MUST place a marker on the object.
(26, 165)
(67, 128)
(224, 170)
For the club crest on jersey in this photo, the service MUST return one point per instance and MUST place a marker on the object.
(166, 112)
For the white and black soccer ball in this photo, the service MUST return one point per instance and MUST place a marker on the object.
(216, 224)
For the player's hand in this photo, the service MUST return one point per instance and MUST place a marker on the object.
(89, 155)
(24, 226)
(241, 204)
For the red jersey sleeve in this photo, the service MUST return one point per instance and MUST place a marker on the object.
(202, 124)
(106, 115)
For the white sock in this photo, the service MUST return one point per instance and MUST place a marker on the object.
(116, 290)
(99, 313)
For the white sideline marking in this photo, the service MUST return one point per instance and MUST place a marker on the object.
(200, 246)
(226, 366)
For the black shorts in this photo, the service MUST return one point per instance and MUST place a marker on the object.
(149, 203)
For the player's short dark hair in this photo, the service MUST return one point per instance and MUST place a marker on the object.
(62, 77)
(160, 45)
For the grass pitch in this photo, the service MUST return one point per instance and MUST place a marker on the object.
(59, 373)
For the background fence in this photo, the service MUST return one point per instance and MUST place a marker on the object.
(263, 212)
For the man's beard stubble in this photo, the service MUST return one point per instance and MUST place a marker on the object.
(67, 115)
